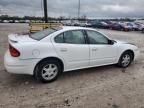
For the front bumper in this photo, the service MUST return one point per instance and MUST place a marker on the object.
(137, 54)
(18, 66)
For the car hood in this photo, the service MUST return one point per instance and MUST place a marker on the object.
(123, 42)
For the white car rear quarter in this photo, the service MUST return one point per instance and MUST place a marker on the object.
(33, 51)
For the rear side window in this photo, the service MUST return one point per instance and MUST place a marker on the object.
(59, 39)
(71, 37)
(42, 34)
(74, 37)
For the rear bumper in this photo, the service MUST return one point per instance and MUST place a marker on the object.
(17, 66)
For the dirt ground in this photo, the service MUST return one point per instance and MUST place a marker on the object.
(102, 87)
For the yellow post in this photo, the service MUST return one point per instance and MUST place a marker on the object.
(35, 27)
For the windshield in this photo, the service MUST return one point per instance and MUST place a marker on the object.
(42, 34)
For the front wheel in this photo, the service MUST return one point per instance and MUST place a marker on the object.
(48, 71)
(125, 60)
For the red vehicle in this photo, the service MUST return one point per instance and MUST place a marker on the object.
(120, 27)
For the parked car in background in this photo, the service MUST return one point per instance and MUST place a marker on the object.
(67, 23)
(115, 26)
(126, 27)
(132, 25)
(99, 24)
(85, 24)
(140, 26)
(120, 26)
(75, 23)
(47, 54)
(105, 25)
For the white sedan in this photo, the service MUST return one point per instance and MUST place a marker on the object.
(48, 53)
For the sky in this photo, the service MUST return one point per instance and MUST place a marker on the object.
(69, 8)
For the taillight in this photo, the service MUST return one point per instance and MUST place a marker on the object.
(14, 52)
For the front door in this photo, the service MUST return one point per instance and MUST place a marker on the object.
(101, 52)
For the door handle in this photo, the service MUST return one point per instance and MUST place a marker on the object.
(63, 50)
(94, 49)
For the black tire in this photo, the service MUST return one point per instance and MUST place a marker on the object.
(143, 30)
(127, 54)
(122, 29)
(39, 71)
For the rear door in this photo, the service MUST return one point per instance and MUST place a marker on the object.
(72, 47)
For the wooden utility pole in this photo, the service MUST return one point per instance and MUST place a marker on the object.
(45, 11)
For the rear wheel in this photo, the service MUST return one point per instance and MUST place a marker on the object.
(48, 71)
(126, 59)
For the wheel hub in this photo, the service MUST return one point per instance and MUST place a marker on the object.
(126, 60)
(49, 71)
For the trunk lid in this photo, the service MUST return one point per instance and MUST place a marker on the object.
(15, 38)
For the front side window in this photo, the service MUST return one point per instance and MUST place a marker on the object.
(71, 37)
(96, 38)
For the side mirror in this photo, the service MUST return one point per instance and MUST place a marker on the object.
(111, 42)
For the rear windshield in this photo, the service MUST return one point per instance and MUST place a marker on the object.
(42, 34)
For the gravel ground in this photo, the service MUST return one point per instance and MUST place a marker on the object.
(102, 87)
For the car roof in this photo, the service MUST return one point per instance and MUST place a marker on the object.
(75, 28)
(68, 28)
